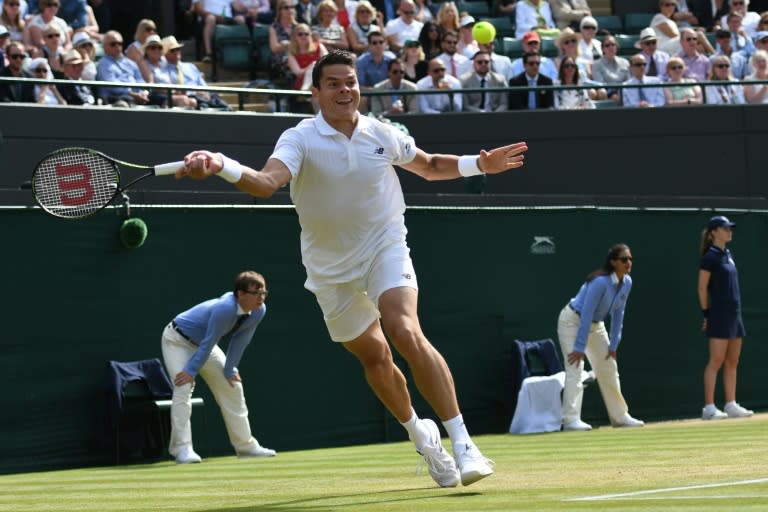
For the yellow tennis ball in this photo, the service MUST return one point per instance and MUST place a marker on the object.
(483, 32)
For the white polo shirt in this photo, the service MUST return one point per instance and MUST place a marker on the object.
(346, 192)
(403, 31)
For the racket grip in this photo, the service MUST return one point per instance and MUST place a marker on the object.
(169, 168)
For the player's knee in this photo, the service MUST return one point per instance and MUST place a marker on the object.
(409, 340)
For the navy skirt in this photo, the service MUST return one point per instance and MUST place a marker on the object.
(725, 324)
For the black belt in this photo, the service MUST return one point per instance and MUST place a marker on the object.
(569, 305)
(178, 330)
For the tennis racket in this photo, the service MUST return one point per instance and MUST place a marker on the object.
(74, 183)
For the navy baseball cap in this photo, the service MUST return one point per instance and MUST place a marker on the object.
(719, 221)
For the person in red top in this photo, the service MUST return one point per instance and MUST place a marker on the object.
(303, 52)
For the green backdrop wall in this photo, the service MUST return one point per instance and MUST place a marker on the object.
(75, 299)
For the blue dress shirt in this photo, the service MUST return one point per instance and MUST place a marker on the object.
(596, 300)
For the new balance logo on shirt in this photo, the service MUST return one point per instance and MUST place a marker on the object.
(378, 151)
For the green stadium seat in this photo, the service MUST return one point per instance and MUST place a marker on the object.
(512, 48)
(477, 9)
(262, 52)
(549, 47)
(233, 48)
(612, 24)
(600, 104)
(627, 44)
(634, 22)
(505, 27)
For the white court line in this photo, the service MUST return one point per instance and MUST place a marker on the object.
(668, 489)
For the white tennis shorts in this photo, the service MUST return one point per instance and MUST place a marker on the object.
(349, 308)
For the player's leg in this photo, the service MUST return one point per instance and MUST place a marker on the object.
(176, 352)
(231, 401)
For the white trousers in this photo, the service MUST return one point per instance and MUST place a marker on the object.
(231, 400)
(606, 370)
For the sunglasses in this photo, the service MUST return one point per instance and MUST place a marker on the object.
(588, 27)
(302, 34)
(533, 63)
(396, 72)
(675, 68)
(286, 7)
(154, 47)
(569, 66)
(637, 64)
(570, 41)
(51, 36)
(12, 5)
(608, 45)
(41, 70)
(724, 65)
(691, 39)
(439, 70)
(408, 13)
(51, 5)
(482, 61)
(625, 259)
(16, 56)
(450, 42)
(116, 43)
(649, 43)
(377, 42)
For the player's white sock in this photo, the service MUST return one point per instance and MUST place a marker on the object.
(457, 431)
(416, 432)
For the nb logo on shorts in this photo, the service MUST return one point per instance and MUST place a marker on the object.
(405, 276)
(378, 151)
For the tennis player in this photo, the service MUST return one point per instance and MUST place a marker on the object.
(351, 210)
(190, 348)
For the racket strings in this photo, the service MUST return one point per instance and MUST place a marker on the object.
(74, 183)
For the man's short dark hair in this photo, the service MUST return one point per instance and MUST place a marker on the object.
(374, 33)
(528, 55)
(329, 59)
(392, 62)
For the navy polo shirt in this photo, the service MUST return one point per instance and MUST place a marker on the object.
(724, 279)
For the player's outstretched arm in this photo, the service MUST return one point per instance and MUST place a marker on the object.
(200, 165)
(446, 167)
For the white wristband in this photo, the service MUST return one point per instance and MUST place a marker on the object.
(468, 166)
(231, 171)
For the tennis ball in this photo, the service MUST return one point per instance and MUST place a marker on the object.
(133, 232)
(483, 32)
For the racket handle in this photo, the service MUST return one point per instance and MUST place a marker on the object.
(169, 168)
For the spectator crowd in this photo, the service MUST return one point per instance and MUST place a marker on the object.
(402, 46)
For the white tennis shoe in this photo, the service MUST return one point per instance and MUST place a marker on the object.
(256, 451)
(187, 456)
(734, 410)
(442, 467)
(473, 466)
(712, 413)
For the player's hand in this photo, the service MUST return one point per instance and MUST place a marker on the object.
(611, 354)
(233, 379)
(183, 378)
(503, 158)
(575, 358)
(199, 165)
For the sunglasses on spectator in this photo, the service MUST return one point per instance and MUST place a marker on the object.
(286, 7)
(723, 65)
(52, 4)
(569, 66)
(51, 36)
(483, 61)
(533, 63)
(396, 72)
(637, 64)
(116, 43)
(691, 39)
(675, 68)
(16, 56)
(13, 5)
(41, 70)
(302, 34)
(450, 41)
(154, 47)
(570, 41)
(438, 70)
(377, 42)
(588, 27)
(408, 13)
(649, 43)
(608, 45)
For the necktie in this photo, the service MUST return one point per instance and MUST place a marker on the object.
(724, 95)
(179, 74)
(453, 66)
(652, 71)
(482, 94)
(238, 323)
(641, 93)
(531, 94)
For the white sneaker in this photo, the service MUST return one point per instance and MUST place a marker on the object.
(473, 466)
(187, 456)
(442, 467)
(256, 451)
(576, 425)
(628, 421)
(734, 410)
(712, 413)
